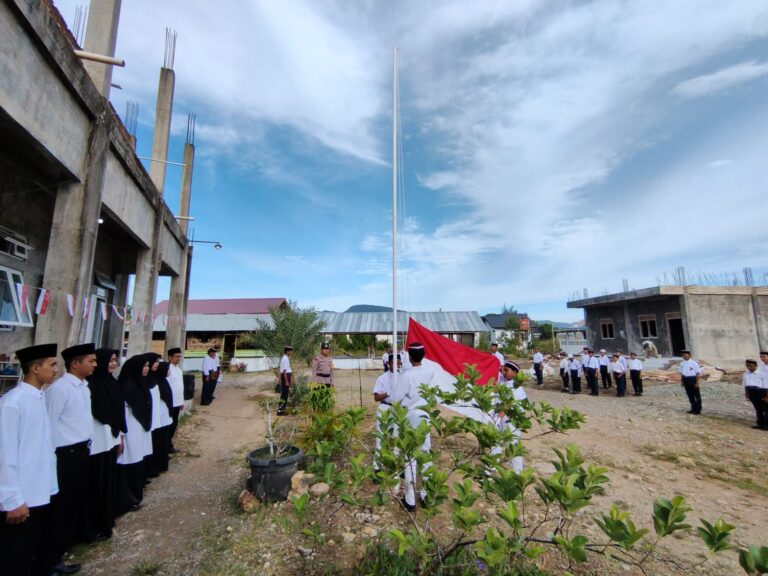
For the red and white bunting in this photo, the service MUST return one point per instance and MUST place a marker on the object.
(42, 301)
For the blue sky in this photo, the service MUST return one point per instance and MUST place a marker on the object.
(549, 146)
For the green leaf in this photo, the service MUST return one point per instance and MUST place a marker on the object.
(716, 536)
(573, 548)
(754, 560)
(668, 515)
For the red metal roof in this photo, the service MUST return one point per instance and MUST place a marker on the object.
(226, 306)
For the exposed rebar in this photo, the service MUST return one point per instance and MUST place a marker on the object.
(170, 48)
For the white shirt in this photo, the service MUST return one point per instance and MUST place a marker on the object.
(604, 360)
(538, 358)
(574, 365)
(618, 368)
(160, 416)
(285, 365)
(68, 401)
(635, 364)
(756, 379)
(689, 368)
(383, 384)
(591, 362)
(176, 380)
(101, 438)
(406, 362)
(499, 357)
(27, 459)
(209, 365)
(407, 390)
(623, 361)
(564, 364)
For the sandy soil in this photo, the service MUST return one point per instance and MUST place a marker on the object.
(652, 447)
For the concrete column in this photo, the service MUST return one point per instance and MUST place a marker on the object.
(174, 334)
(100, 38)
(72, 244)
(144, 291)
(163, 113)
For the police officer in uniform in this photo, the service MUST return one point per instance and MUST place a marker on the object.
(322, 366)
(27, 463)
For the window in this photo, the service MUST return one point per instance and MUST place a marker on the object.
(10, 308)
(606, 329)
(648, 326)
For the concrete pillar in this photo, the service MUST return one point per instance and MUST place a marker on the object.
(174, 334)
(148, 261)
(72, 244)
(162, 131)
(100, 38)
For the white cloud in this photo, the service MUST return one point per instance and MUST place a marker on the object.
(721, 80)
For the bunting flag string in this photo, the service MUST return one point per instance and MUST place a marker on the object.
(42, 299)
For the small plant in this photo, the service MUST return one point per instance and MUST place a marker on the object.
(146, 568)
(320, 398)
(297, 394)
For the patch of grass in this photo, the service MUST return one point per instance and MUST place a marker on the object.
(146, 568)
(660, 454)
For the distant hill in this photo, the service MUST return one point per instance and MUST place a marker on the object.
(557, 325)
(370, 308)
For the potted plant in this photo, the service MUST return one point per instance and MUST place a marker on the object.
(273, 465)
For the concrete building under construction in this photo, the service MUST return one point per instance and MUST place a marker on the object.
(79, 214)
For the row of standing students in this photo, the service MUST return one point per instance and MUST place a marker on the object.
(611, 369)
(77, 451)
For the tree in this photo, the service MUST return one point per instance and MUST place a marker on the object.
(290, 326)
(546, 331)
(512, 323)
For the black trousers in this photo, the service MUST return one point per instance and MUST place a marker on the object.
(100, 512)
(575, 381)
(157, 462)
(757, 396)
(539, 373)
(209, 387)
(564, 378)
(130, 486)
(605, 376)
(284, 389)
(637, 382)
(175, 411)
(621, 384)
(20, 543)
(591, 375)
(693, 392)
(67, 509)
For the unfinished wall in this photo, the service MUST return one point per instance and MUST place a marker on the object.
(722, 327)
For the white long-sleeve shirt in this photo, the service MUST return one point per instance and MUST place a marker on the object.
(604, 360)
(538, 358)
(68, 401)
(176, 380)
(689, 368)
(27, 458)
(635, 364)
(407, 390)
(591, 362)
(209, 365)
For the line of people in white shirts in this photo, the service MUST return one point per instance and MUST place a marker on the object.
(406, 394)
(76, 451)
(611, 369)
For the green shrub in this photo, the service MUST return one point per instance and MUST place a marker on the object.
(320, 398)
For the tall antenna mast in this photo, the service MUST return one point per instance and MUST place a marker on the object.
(394, 216)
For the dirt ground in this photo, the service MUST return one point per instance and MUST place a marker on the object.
(650, 445)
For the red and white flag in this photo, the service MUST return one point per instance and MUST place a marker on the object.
(452, 356)
(42, 301)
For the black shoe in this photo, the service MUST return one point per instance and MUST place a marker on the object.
(408, 507)
(62, 568)
(172, 451)
(690, 412)
(696, 413)
(593, 394)
(566, 390)
(135, 508)
(756, 427)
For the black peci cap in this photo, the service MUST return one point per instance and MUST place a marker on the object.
(172, 351)
(79, 350)
(38, 352)
(512, 366)
(415, 346)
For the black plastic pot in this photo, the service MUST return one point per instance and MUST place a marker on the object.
(189, 386)
(270, 476)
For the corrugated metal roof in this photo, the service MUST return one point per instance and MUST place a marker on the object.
(226, 306)
(381, 322)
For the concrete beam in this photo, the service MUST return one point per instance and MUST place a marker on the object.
(162, 131)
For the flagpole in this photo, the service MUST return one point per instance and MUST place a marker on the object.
(394, 217)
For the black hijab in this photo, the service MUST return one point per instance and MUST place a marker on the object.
(166, 394)
(107, 401)
(134, 388)
(152, 379)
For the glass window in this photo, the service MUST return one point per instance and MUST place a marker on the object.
(10, 308)
(606, 329)
(648, 326)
